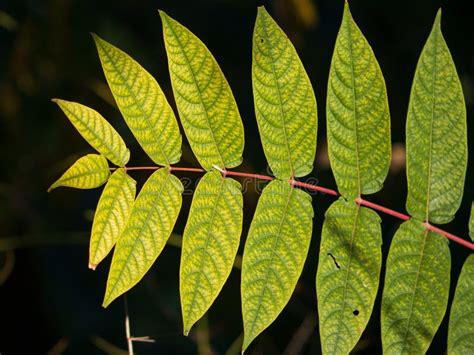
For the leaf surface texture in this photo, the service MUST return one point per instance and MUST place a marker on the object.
(416, 289)
(142, 104)
(111, 215)
(348, 274)
(206, 105)
(285, 105)
(274, 255)
(461, 320)
(210, 243)
(358, 118)
(149, 226)
(96, 131)
(436, 134)
(87, 172)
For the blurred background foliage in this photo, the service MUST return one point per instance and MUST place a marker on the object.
(50, 302)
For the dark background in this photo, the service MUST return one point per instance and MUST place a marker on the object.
(49, 300)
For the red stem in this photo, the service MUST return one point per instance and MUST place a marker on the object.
(448, 235)
(362, 202)
(359, 200)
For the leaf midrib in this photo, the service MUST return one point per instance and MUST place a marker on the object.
(201, 100)
(433, 107)
(146, 118)
(280, 99)
(356, 133)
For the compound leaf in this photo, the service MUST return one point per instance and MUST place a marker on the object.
(210, 243)
(461, 319)
(348, 274)
(111, 215)
(206, 106)
(142, 104)
(96, 131)
(87, 172)
(358, 118)
(436, 134)
(416, 289)
(274, 255)
(149, 226)
(285, 105)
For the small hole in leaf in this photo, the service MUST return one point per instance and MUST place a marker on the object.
(261, 40)
(356, 312)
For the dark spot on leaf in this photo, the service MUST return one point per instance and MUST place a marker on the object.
(356, 312)
(335, 261)
(261, 40)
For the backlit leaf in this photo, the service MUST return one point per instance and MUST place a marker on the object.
(87, 172)
(358, 118)
(210, 242)
(274, 255)
(96, 131)
(149, 226)
(285, 105)
(436, 134)
(206, 106)
(111, 215)
(416, 289)
(461, 319)
(142, 104)
(348, 274)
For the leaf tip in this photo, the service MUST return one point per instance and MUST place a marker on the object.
(262, 12)
(186, 332)
(98, 41)
(245, 343)
(164, 16)
(437, 22)
(347, 9)
(106, 301)
(92, 266)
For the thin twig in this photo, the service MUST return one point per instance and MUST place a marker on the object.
(127, 327)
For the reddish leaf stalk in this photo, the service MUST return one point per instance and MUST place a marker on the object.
(359, 200)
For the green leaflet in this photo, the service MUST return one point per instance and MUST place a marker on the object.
(461, 319)
(210, 243)
(274, 255)
(142, 103)
(87, 172)
(285, 105)
(206, 106)
(348, 274)
(96, 131)
(436, 134)
(416, 289)
(148, 228)
(358, 118)
(111, 215)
